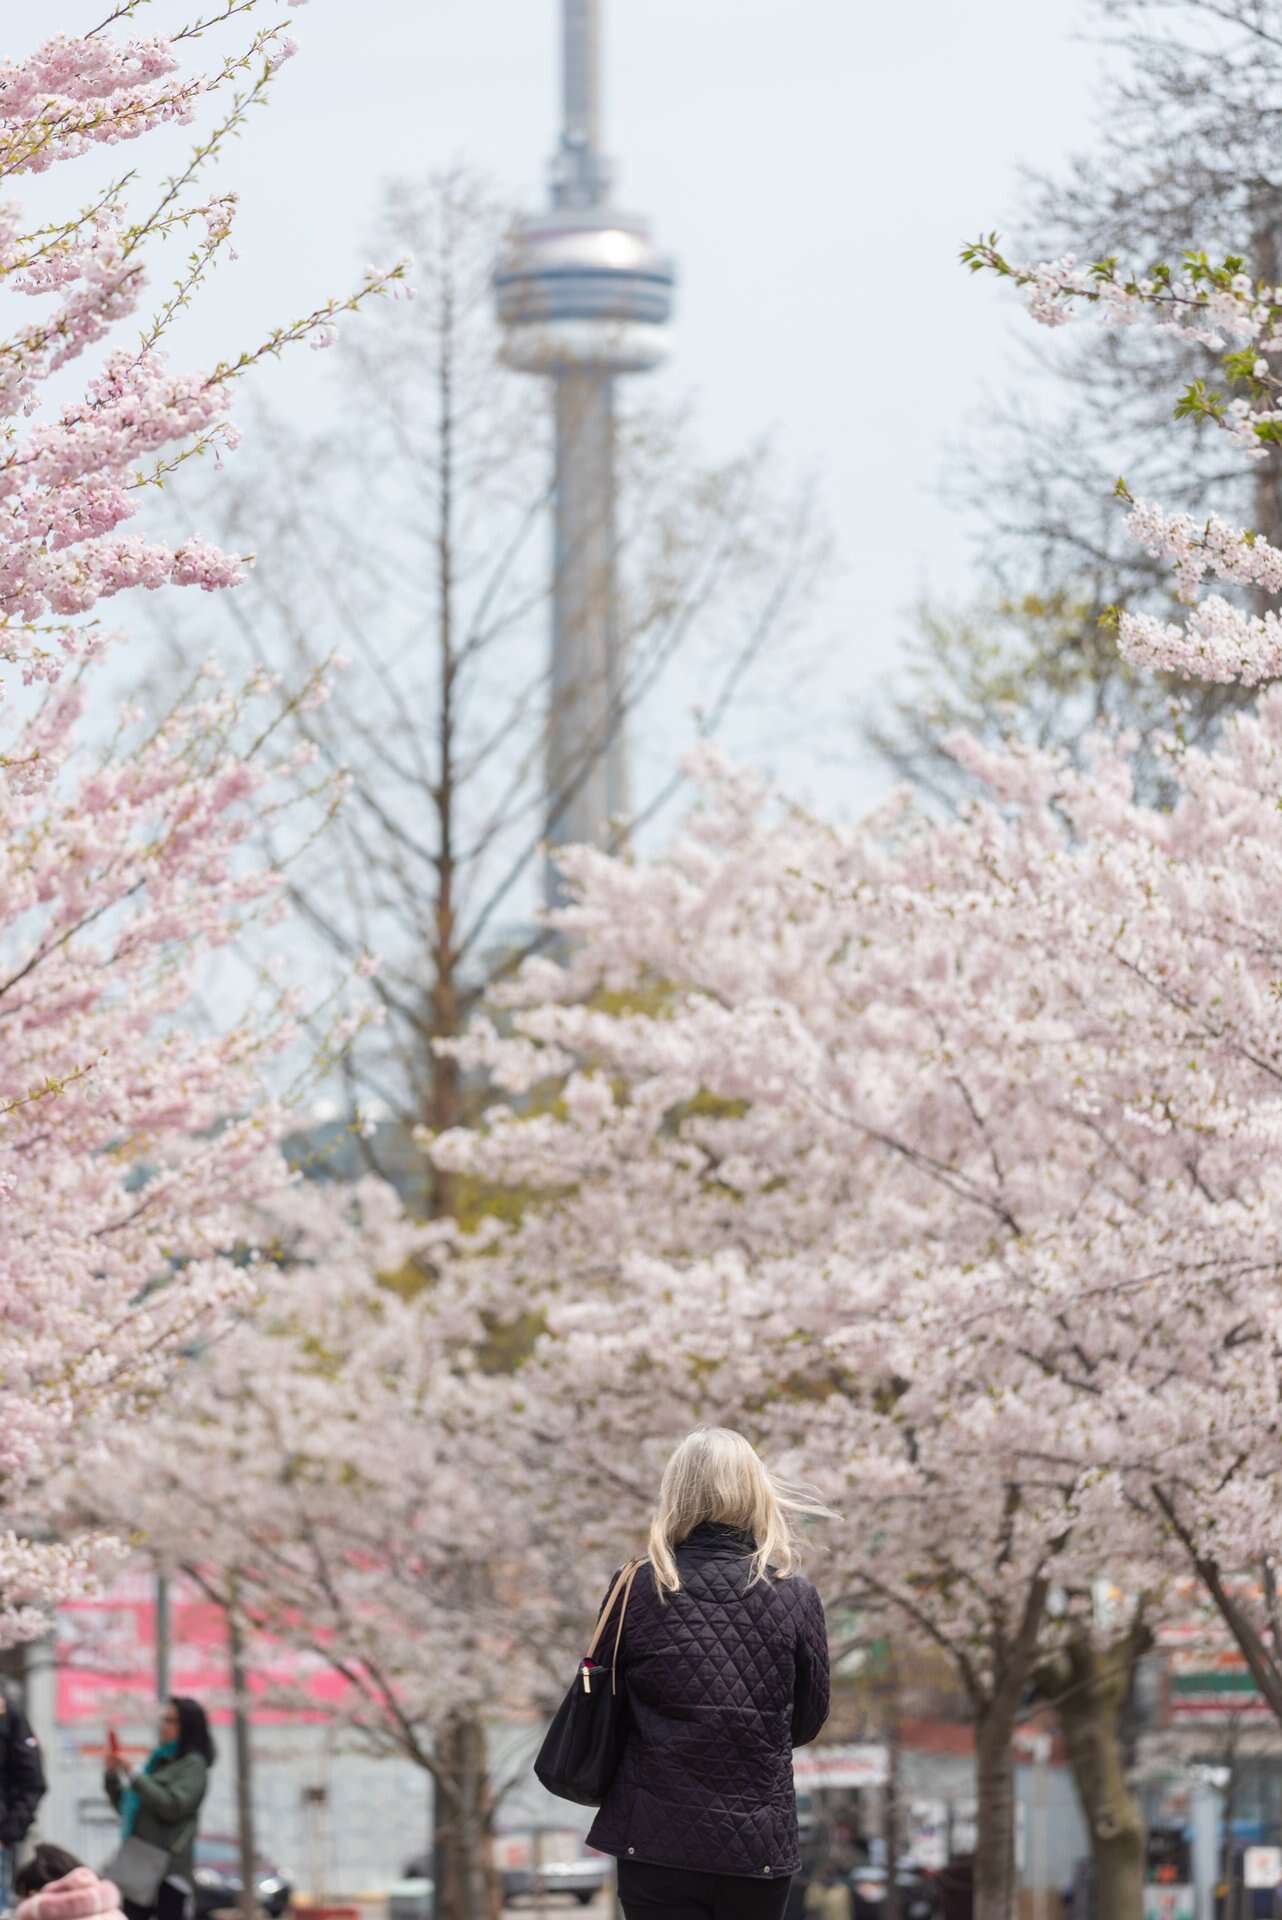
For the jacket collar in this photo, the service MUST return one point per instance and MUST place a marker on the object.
(714, 1537)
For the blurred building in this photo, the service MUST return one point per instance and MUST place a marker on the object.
(1208, 1765)
(332, 1816)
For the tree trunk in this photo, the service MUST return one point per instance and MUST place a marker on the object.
(893, 1820)
(1263, 1656)
(244, 1764)
(1089, 1685)
(995, 1798)
(1230, 1758)
(1228, 1814)
(444, 1081)
(467, 1881)
(466, 1884)
(1266, 262)
(995, 1710)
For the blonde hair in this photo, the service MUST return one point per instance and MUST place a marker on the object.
(717, 1476)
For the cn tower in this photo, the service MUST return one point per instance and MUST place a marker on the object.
(584, 297)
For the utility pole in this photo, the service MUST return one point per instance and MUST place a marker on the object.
(892, 1805)
(243, 1734)
(584, 297)
(164, 1687)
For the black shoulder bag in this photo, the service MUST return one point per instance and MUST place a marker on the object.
(580, 1754)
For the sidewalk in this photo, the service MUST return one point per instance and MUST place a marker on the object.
(600, 1907)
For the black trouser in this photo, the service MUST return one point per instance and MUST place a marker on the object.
(678, 1893)
(171, 1904)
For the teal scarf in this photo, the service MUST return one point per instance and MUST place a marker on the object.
(130, 1803)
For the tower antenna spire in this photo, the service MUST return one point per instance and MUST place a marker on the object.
(581, 175)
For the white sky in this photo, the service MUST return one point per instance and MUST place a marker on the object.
(813, 164)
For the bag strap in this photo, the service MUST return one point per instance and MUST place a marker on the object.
(623, 1585)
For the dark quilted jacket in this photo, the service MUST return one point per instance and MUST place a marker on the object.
(723, 1679)
(22, 1775)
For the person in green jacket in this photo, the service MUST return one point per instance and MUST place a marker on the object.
(160, 1803)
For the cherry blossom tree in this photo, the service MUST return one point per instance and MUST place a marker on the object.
(1180, 148)
(931, 1152)
(1179, 151)
(1224, 638)
(126, 1131)
(934, 1153)
(1228, 638)
(378, 1499)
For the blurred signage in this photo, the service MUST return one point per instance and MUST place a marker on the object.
(539, 1847)
(1169, 1903)
(1208, 1679)
(106, 1661)
(1262, 1867)
(938, 1828)
(1214, 1687)
(928, 1834)
(837, 1766)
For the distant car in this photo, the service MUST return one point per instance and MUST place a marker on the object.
(918, 1894)
(578, 1878)
(217, 1877)
(538, 1862)
(414, 1897)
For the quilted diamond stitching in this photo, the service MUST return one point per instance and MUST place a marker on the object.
(720, 1677)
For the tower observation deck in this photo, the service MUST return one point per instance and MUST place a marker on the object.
(584, 297)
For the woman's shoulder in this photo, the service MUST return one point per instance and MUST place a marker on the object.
(627, 1585)
(799, 1593)
(630, 1573)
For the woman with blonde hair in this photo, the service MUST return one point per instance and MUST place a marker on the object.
(724, 1659)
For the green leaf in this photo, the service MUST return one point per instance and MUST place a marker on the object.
(1198, 398)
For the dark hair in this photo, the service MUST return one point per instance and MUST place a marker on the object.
(193, 1729)
(46, 1865)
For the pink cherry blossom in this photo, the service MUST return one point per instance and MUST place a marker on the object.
(134, 1138)
(1224, 309)
(936, 1154)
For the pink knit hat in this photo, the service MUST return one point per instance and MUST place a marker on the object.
(80, 1896)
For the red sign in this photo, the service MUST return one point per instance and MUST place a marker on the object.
(107, 1649)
